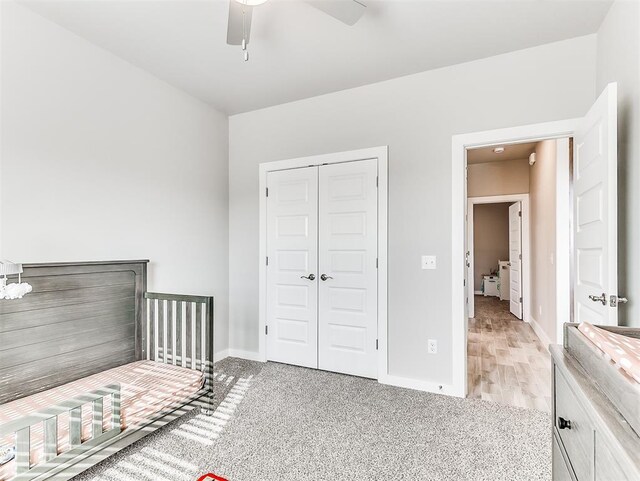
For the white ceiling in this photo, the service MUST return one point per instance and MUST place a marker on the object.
(511, 152)
(298, 52)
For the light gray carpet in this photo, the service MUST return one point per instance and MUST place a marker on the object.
(285, 423)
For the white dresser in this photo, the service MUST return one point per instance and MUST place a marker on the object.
(504, 283)
(490, 286)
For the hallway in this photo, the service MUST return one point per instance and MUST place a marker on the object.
(506, 361)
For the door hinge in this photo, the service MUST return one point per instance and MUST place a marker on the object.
(519, 213)
(521, 300)
(520, 256)
(267, 191)
(377, 179)
(376, 344)
(266, 330)
(267, 260)
(376, 262)
(464, 282)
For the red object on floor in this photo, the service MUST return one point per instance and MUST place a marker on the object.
(211, 477)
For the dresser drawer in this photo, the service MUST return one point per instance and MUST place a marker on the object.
(574, 428)
(607, 466)
(561, 471)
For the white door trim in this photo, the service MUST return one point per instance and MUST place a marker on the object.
(563, 257)
(526, 246)
(380, 153)
(459, 145)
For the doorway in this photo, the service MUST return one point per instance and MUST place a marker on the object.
(593, 233)
(323, 280)
(507, 359)
(498, 261)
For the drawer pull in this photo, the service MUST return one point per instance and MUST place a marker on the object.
(564, 423)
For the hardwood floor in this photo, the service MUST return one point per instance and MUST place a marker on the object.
(507, 363)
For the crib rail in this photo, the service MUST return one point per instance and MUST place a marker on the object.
(21, 429)
(180, 332)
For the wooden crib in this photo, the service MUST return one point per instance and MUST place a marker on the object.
(91, 330)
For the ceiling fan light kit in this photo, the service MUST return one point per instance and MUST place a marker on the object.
(241, 11)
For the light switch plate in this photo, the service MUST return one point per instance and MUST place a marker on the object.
(429, 262)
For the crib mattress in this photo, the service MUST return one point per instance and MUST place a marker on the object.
(147, 388)
(623, 350)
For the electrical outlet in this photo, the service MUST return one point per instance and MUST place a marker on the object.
(428, 262)
(432, 346)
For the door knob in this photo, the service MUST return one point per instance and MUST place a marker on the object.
(615, 300)
(602, 298)
(324, 277)
(311, 277)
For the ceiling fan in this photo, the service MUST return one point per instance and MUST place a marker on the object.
(240, 11)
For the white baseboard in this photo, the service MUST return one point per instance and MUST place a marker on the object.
(426, 386)
(544, 339)
(220, 355)
(248, 355)
(477, 293)
(418, 385)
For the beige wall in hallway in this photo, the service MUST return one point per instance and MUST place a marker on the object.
(498, 178)
(490, 238)
(542, 192)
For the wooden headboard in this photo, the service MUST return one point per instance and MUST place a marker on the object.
(80, 319)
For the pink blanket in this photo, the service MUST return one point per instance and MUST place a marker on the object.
(623, 350)
(147, 387)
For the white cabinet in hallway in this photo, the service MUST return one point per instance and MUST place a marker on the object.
(322, 282)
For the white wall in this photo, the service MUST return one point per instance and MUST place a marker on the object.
(102, 161)
(618, 59)
(542, 198)
(416, 116)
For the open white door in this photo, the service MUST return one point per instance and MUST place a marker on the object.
(515, 259)
(595, 213)
(292, 282)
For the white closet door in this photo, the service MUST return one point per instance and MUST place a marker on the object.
(595, 207)
(515, 259)
(292, 282)
(347, 304)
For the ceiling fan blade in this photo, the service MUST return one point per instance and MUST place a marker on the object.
(234, 28)
(347, 11)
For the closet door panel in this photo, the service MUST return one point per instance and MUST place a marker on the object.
(292, 285)
(347, 290)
